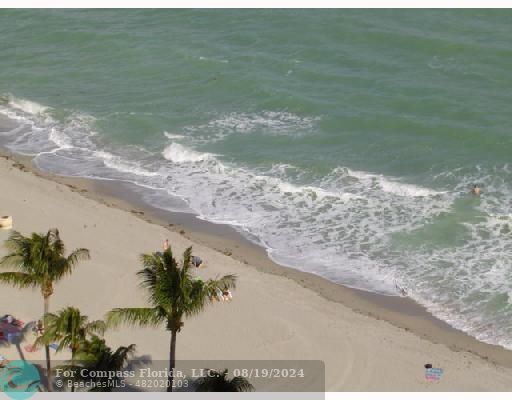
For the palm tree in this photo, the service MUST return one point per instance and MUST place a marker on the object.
(218, 381)
(69, 328)
(174, 294)
(95, 355)
(39, 262)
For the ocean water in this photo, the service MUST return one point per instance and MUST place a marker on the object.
(343, 141)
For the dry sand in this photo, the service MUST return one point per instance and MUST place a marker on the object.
(271, 316)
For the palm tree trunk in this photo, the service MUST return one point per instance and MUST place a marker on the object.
(73, 351)
(47, 347)
(172, 360)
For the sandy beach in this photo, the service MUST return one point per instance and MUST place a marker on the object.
(276, 313)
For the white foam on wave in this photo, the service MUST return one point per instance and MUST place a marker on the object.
(342, 221)
(390, 185)
(178, 153)
(41, 133)
(315, 193)
(404, 189)
(34, 126)
(60, 139)
(219, 60)
(173, 136)
(23, 111)
(271, 122)
(119, 164)
(267, 123)
(342, 226)
(282, 169)
(30, 107)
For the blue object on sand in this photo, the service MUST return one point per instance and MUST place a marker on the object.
(11, 336)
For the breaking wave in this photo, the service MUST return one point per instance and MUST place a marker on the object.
(358, 228)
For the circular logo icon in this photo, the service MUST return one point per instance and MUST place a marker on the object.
(19, 379)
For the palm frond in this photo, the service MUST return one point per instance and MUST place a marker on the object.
(134, 316)
(203, 293)
(18, 251)
(148, 277)
(151, 260)
(225, 283)
(241, 384)
(15, 242)
(120, 357)
(12, 260)
(19, 279)
(77, 255)
(98, 327)
(187, 257)
(218, 381)
(54, 240)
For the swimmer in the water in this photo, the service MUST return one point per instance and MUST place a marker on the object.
(401, 290)
(475, 191)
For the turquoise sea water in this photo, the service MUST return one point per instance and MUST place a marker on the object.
(344, 141)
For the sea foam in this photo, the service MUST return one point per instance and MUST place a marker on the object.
(359, 228)
(178, 153)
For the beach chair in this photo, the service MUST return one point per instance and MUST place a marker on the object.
(6, 222)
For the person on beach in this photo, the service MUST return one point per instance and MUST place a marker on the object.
(196, 261)
(475, 191)
(38, 328)
(227, 296)
(401, 290)
(166, 244)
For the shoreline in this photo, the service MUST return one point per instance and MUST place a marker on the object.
(403, 313)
